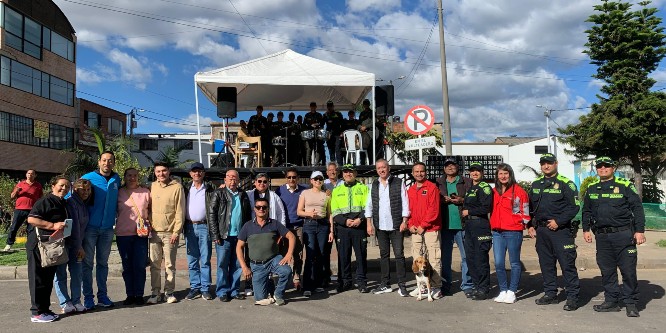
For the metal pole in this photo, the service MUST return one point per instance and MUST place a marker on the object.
(445, 85)
(196, 105)
(547, 114)
(374, 128)
(131, 123)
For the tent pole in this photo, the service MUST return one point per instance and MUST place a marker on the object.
(374, 126)
(196, 103)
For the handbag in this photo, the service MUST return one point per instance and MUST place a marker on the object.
(53, 252)
(142, 226)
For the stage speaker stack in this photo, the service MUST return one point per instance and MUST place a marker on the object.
(384, 101)
(226, 102)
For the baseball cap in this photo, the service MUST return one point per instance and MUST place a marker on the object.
(604, 160)
(349, 167)
(547, 157)
(197, 165)
(316, 174)
(450, 160)
(475, 166)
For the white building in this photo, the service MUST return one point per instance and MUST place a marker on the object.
(151, 145)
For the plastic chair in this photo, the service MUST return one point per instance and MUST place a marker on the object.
(248, 147)
(354, 146)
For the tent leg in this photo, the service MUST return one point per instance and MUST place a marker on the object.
(196, 103)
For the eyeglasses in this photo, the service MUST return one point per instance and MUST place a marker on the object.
(260, 181)
(604, 165)
(261, 207)
(319, 179)
(292, 177)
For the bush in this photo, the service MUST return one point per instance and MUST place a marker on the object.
(6, 203)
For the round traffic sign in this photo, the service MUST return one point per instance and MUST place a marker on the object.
(419, 120)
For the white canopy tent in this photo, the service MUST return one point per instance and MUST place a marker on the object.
(286, 81)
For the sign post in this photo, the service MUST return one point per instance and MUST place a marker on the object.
(418, 121)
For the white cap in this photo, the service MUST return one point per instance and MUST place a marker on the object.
(316, 174)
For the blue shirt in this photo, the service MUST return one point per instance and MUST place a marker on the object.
(234, 226)
(290, 202)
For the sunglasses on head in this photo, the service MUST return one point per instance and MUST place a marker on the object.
(261, 207)
(262, 181)
(604, 165)
(320, 179)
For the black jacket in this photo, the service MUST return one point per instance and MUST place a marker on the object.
(613, 203)
(210, 190)
(219, 212)
(553, 198)
(463, 185)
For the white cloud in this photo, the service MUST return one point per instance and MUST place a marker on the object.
(373, 5)
(87, 76)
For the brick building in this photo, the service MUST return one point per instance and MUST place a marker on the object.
(92, 115)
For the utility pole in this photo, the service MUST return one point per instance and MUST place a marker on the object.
(445, 85)
(547, 114)
(132, 123)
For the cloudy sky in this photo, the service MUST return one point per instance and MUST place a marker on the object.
(504, 57)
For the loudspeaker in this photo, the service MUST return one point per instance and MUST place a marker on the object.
(226, 102)
(384, 101)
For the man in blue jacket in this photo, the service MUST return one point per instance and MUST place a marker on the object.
(99, 232)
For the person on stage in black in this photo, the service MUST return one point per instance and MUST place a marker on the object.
(303, 160)
(313, 121)
(294, 143)
(267, 136)
(279, 131)
(334, 125)
(366, 127)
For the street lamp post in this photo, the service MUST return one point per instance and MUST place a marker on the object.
(547, 114)
(132, 124)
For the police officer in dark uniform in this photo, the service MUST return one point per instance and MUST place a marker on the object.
(313, 120)
(554, 203)
(334, 125)
(477, 205)
(279, 130)
(258, 125)
(294, 143)
(613, 211)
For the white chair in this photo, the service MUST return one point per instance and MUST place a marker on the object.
(354, 146)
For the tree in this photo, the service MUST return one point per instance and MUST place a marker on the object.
(629, 122)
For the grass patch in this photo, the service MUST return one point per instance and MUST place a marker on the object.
(661, 243)
(13, 259)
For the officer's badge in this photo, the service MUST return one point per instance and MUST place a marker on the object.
(556, 186)
(572, 186)
(616, 190)
(487, 190)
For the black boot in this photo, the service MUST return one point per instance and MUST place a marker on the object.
(545, 300)
(632, 310)
(571, 305)
(607, 307)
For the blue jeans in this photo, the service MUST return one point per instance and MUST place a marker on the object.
(260, 276)
(133, 252)
(197, 242)
(315, 237)
(60, 280)
(97, 245)
(228, 268)
(448, 237)
(511, 241)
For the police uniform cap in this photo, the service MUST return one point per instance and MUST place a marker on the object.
(475, 166)
(547, 157)
(349, 167)
(604, 160)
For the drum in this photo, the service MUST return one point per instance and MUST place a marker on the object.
(307, 135)
(279, 141)
(323, 135)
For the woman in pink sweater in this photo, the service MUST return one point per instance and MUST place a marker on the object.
(508, 219)
(133, 205)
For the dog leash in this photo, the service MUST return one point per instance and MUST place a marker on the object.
(424, 250)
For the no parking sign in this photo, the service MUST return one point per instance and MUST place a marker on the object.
(419, 120)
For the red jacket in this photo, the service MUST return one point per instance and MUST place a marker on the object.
(424, 206)
(511, 210)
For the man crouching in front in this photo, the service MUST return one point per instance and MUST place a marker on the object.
(261, 235)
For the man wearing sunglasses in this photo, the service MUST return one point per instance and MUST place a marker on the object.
(348, 221)
(261, 235)
(261, 190)
(228, 211)
(612, 210)
(553, 204)
(289, 194)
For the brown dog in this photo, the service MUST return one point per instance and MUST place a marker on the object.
(423, 272)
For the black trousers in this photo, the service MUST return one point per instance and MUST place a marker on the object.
(40, 280)
(316, 146)
(478, 241)
(346, 240)
(20, 218)
(557, 246)
(385, 240)
(617, 250)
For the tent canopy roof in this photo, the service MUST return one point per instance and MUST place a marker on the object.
(288, 81)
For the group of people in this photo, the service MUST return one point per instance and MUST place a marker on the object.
(300, 140)
(261, 234)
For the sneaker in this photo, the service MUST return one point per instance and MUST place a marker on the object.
(207, 296)
(607, 307)
(104, 301)
(382, 290)
(510, 297)
(249, 292)
(307, 293)
(632, 311)
(68, 308)
(7, 248)
(170, 298)
(89, 303)
(545, 300)
(437, 293)
(402, 291)
(319, 290)
(265, 301)
(153, 299)
(79, 307)
(129, 300)
(570, 305)
(193, 294)
(279, 301)
(415, 292)
(44, 318)
(501, 297)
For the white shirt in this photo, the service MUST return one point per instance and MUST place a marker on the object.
(385, 218)
(276, 208)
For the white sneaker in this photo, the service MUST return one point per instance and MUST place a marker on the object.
(153, 299)
(79, 307)
(249, 292)
(265, 301)
(436, 293)
(68, 308)
(7, 248)
(501, 297)
(510, 297)
(170, 298)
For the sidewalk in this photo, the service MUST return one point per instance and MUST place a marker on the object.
(650, 256)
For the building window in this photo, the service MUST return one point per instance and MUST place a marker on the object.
(538, 150)
(60, 137)
(19, 129)
(92, 119)
(115, 126)
(4, 126)
(183, 144)
(147, 144)
(28, 79)
(62, 46)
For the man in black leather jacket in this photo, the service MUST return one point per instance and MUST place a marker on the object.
(228, 211)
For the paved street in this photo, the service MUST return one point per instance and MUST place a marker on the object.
(352, 311)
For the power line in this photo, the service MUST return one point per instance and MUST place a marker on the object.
(249, 27)
(412, 73)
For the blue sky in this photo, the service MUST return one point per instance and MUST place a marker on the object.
(503, 57)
